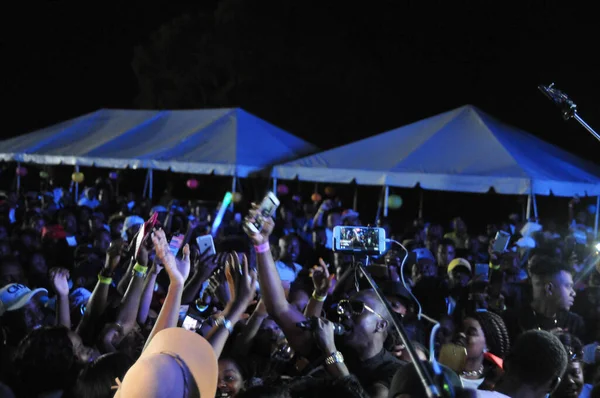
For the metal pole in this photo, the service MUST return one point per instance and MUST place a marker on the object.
(596, 220)
(18, 178)
(275, 185)
(150, 183)
(385, 201)
(76, 186)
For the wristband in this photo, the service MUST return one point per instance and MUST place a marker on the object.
(104, 280)
(226, 323)
(140, 268)
(319, 298)
(262, 248)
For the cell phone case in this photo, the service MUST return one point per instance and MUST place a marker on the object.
(453, 356)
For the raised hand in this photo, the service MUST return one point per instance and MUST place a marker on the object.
(267, 226)
(115, 252)
(206, 263)
(321, 278)
(178, 270)
(241, 280)
(59, 277)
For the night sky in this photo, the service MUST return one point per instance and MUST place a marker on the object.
(398, 64)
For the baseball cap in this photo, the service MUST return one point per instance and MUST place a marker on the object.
(459, 262)
(423, 254)
(16, 296)
(173, 354)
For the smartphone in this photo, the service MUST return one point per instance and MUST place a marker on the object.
(501, 242)
(205, 243)
(453, 356)
(482, 269)
(267, 208)
(368, 240)
(175, 244)
(190, 323)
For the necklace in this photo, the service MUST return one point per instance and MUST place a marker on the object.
(473, 373)
(535, 316)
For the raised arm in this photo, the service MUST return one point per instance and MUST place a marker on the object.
(273, 294)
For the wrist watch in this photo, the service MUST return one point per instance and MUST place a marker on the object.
(336, 357)
(226, 323)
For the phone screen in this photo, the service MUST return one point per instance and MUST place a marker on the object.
(363, 239)
(175, 244)
(483, 270)
(501, 243)
(267, 209)
(190, 323)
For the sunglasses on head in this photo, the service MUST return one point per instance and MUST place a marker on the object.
(354, 308)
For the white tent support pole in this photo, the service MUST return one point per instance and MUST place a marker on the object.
(355, 199)
(534, 202)
(233, 190)
(146, 184)
(385, 201)
(528, 211)
(18, 178)
(596, 219)
(150, 183)
(275, 185)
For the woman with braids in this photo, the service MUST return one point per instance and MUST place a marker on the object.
(485, 337)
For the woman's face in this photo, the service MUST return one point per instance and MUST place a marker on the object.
(230, 380)
(475, 339)
(572, 381)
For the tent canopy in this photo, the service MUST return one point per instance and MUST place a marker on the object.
(463, 150)
(221, 141)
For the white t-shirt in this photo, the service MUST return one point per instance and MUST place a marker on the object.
(285, 272)
(490, 394)
(471, 383)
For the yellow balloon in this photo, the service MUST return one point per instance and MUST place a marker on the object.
(77, 177)
(394, 202)
(237, 197)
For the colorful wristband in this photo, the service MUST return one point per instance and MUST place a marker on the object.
(140, 268)
(104, 280)
(262, 248)
(319, 298)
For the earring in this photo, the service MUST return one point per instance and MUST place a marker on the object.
(485, 350)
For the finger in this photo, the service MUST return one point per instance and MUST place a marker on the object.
(245, 265)
(186, 252)
(236, 262)
(253, 279)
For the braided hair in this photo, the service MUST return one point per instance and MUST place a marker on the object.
(494, 329)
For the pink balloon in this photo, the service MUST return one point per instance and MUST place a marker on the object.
(192, 183)
(282, 189)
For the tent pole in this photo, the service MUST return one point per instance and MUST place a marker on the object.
(233, 190)
(534, 202)
(275, 185)
(385, 201)
(355, 200)
(18, 178)
(146, 183)
(596, 220)
(528, 211)
(76, 186)
(150, 183)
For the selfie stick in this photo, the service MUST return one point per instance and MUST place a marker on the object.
(568, 107)
(431, 389)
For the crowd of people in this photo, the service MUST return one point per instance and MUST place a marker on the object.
(96, 301)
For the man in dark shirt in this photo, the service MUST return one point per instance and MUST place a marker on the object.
(553, 296)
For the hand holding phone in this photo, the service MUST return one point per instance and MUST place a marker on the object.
(206, 245)
(352, 239)
(267, 208)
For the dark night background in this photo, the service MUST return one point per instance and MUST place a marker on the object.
(330, 72)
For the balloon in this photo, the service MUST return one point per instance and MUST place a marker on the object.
(329, 191)
(282, 189)
(77, 177)
(592, 209)
(21, 171)
(394, 202)
(237, 197)
(316, 197)
(192, 183)
(113, 175)
(44, 175)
